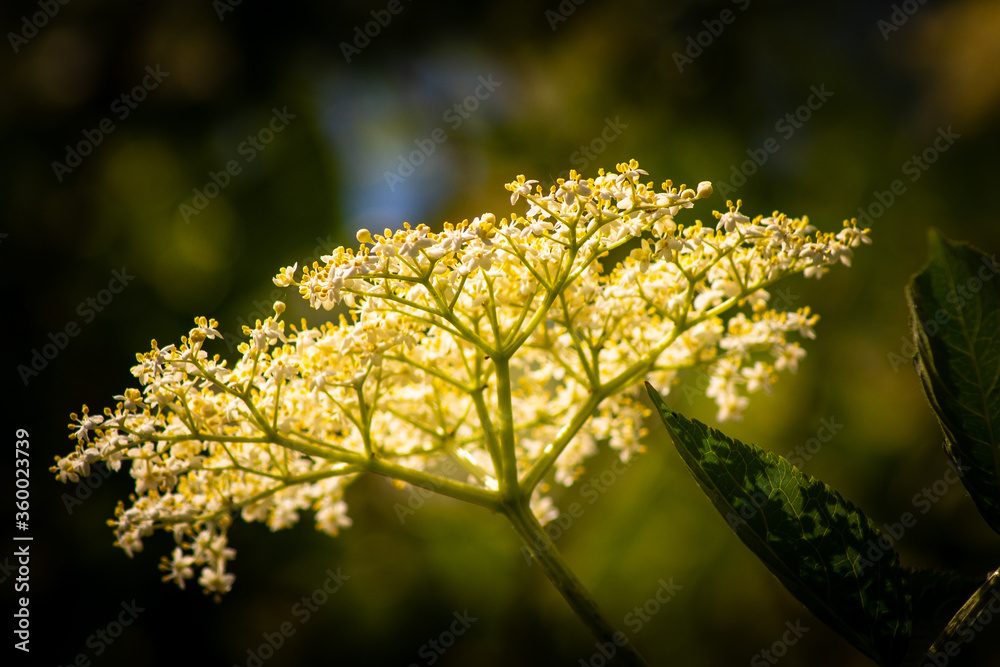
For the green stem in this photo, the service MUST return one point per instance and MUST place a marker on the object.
(969, 612)
(544, 463)
(444, 486)
(533, 537)
(508, 455)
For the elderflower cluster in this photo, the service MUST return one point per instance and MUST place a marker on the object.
(512, 347)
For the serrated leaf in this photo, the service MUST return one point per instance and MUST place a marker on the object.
(955, 311)
(821, 547)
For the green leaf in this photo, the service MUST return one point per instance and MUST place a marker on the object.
(955, 311)
(822, 548)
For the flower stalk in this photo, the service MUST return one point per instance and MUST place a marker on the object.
(545, 553)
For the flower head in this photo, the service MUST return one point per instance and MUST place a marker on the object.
(511, 347)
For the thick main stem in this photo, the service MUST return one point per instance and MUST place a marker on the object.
(567, 583)
(505, 414)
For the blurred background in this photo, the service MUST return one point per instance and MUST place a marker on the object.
(164, 160)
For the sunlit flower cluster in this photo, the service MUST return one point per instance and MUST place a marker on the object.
(513, 347)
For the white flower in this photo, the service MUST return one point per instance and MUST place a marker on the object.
(178, 568)
(523, 188)
(448, 346)
(86, 423)
(216, 580)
